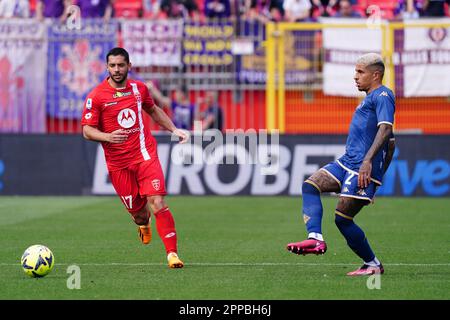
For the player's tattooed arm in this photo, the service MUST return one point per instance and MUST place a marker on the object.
(390, 154)
(92, 133)
(365, 171)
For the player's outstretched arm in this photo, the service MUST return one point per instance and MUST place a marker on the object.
(92, 133)
(161, 118)
(383, 134)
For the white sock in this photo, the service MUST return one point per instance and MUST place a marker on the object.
(315, 235)
(171, 254)
(374, 263)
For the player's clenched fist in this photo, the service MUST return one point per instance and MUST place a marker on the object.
(117, 136)
(183, 135)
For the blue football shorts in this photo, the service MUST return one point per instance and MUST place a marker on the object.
(348, 182)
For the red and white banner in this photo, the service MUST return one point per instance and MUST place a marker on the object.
(421, 56)
(342, 47)
(23, 53)
(153, 43)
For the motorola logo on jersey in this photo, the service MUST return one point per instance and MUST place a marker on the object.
(126, 118)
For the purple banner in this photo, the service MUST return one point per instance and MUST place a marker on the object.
(76, 64)
(22, 78)
(208, 44)
(299, 54)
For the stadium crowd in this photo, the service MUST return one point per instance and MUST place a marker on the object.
(199, 10)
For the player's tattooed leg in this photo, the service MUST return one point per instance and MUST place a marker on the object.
(324, 181)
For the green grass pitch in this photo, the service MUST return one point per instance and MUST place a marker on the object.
(233, 248)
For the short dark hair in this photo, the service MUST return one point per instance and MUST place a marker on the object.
(118, 52)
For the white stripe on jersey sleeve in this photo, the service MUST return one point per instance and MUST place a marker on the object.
(385, 122)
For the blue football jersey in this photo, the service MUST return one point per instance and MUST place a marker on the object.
(377, 107)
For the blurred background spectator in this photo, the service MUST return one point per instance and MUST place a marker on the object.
(383, 9)
(96, 8)
(217, 8)
(297, 10)
(197, 10)
(212, 117)
(180, 9)
(14, 9)
(52, 9)
(436, 8)
(264, 10)
(409, 9)
(324, 8)
(182, 111)
(346, 10)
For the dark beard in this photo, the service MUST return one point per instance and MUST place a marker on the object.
(122, 80)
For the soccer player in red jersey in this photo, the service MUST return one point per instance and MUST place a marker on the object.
(114, 115)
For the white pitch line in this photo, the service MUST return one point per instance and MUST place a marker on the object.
(241, 264)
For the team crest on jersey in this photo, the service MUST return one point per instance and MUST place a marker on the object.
(119, 94)
(126, 118)
(156, 184)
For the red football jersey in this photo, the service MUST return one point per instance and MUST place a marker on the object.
(110, 109)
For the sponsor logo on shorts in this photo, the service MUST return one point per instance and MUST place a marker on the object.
(156, 184)
(119, 94)
(126, 118)
(361, 192)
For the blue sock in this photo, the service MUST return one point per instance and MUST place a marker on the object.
(312, 208)
(356, 239)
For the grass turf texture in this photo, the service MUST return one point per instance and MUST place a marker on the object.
(233, 248)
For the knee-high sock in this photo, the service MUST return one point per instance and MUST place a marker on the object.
(165, 225)
(356, 239)
(312, 207)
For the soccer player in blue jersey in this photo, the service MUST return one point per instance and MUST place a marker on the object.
(357, 174)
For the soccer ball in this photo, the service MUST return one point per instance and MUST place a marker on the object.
(37, 261)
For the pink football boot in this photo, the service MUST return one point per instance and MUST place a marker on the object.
(308, 246)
